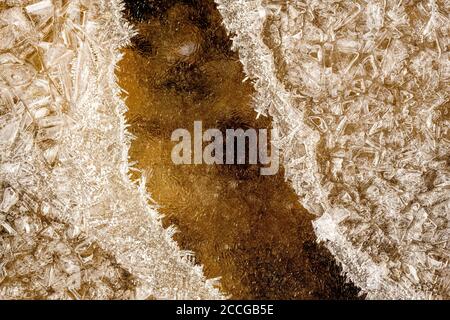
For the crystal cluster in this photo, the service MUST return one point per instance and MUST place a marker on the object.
(72, 223)
(360, 94)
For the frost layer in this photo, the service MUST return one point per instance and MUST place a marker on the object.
(72, 223)
(360, 94)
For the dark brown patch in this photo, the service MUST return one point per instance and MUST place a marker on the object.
(248, 229)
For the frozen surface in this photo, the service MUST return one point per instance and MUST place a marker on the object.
(72, 223)
(360, 93)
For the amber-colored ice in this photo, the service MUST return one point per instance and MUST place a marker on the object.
(247, 229)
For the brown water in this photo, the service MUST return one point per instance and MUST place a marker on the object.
(248, 229)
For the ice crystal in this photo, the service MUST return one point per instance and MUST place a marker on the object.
(72, 223)
(360, 94)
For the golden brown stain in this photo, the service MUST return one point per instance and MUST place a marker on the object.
(248, 229)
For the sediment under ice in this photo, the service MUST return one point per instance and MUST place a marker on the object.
(360, 94)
